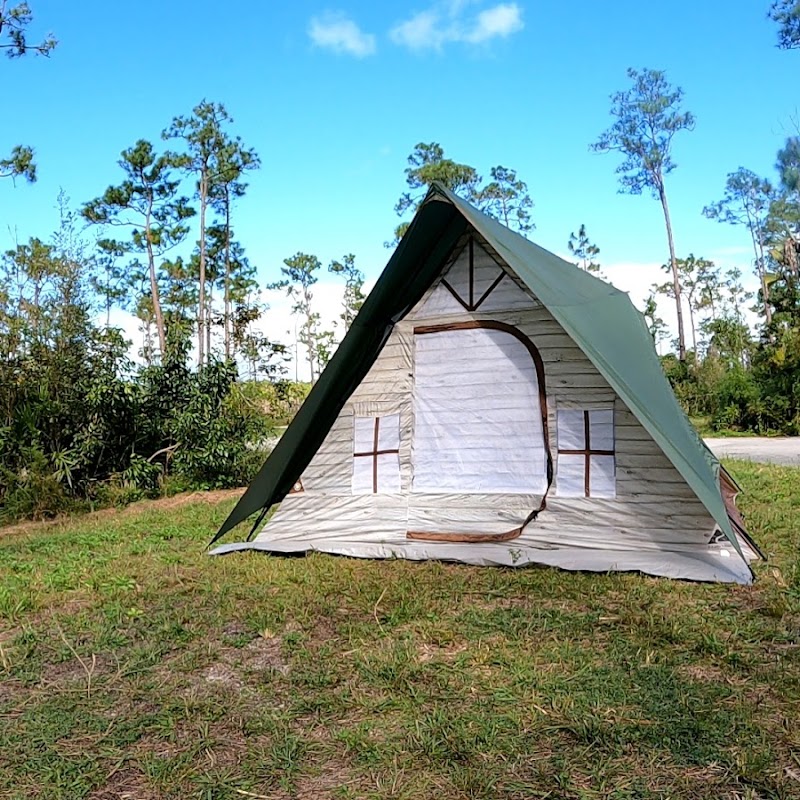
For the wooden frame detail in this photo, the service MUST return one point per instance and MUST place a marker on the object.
(471, 304)
(538, 363)
(587, 453)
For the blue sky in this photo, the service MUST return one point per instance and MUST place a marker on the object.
(334, 96)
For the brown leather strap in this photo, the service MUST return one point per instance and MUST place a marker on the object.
(464, 537)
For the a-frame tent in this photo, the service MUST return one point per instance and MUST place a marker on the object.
(494, 404)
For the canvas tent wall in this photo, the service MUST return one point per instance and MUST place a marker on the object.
(496, 405)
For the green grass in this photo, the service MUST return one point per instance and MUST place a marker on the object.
(133, 665)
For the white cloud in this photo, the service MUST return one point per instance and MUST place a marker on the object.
(450, 21)
(502, 20)
(336, 31)
(421, 32)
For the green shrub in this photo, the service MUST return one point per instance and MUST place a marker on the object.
(34, 491)
(222, 431)
(280, 399)
(737, 401)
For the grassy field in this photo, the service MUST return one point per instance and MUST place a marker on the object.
(134, 666)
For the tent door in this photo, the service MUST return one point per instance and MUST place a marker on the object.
(480, 418)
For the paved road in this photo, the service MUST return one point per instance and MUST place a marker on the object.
(777, 450)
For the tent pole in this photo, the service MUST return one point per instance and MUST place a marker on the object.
(257, 523)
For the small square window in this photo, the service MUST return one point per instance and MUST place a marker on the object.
(586, 461)
(376, 454)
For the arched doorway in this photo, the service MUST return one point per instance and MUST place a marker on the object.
(480, 411)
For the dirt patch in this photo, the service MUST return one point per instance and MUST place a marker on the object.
(747, 598)
(332, 776)
(70, 608)
(223, 675)
(234, 629)
(134, 509)
(179, 500)
(224, 745)
(126, 783)
(11, 692)
(88, 671)
(263, 654)
(35, 526)
(324, 631)
(8, 634)
(703, 673)
(433, 652)
(229, 671)
(228, 750)
(325, 774)
(161, 748)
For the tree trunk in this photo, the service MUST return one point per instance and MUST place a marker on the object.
(201, 303)
(108, 300)
(227, 298)
(765, 297)
(147, 342)
(694, 331)
(310, 350)
(208, 324)
(758, 248)
(308, 325)
(676, 284)
(34, 314)
(154, 294)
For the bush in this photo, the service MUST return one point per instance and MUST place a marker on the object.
(281, 399)
(761, 399)
(737, 402)
(221, 432)
(89, 435)
(34, 491)
(80, 424)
